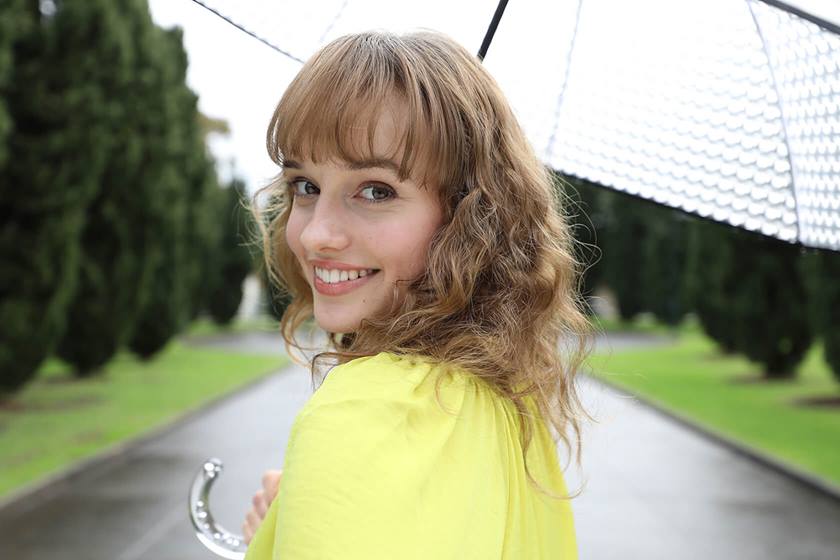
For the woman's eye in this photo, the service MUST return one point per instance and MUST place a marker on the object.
(377, 193)
(302, 187)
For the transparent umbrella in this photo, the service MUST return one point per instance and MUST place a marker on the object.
(727, 109)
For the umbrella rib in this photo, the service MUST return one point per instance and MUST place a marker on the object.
(782, 113)
(825, 24)
(248, 31)
(333, 22)
(553, 137)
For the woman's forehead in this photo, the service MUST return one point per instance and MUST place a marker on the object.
(359, 131)
(381, 142)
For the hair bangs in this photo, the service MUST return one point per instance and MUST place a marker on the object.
(331, 110)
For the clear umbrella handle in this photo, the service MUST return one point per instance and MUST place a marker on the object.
(213, 536)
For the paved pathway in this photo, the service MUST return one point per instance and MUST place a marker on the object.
(658, 490)
(654, 489)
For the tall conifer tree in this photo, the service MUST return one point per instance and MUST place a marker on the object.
(749, 296)
(710, 280)
(769, 301)
(625, 238)
(234, 261)
(64, 65)
(13, 20)
(663, 264)
(116, 256)
(204, 223)
(166, 308)
(821, 270)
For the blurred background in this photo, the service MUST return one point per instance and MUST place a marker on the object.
(138, 335)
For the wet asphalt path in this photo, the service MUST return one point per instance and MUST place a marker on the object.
(654, 489)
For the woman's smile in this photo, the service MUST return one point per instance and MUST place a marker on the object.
(335, 279)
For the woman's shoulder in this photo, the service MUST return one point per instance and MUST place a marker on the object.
(378, 462)
(394, 378)
(390, 397)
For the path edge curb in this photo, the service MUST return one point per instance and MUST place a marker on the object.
(37, 491)
(811, 481)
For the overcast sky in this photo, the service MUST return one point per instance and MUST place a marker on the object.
(237, 79)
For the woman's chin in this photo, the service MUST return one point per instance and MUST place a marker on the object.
(331, 325)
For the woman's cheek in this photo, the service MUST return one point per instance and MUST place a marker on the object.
(411, 258)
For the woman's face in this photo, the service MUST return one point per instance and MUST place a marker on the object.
(357, 230)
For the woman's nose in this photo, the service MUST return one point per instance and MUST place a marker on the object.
(326, 229)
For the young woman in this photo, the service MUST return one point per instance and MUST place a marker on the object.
(413, 221)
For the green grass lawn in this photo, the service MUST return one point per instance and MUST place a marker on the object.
(206, 327)
(645, 323)
(727, 395)
(57, 420)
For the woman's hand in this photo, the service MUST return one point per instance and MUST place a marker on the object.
(261, 501)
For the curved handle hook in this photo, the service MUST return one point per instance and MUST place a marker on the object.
(213, 536)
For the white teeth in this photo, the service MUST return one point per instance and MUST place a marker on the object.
(333, 276)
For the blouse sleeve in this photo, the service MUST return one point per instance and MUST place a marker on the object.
(383, 473)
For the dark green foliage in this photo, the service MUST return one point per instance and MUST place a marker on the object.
(232, 254)
(203, 229)
(663, 264)
(710, 281)
(773, 319)
(821, 271)
(64, 67)
(116, 254)
(165, 309)
(749, 295)
(13, 20)
(624, 251)
(164, 312)
(831, 332)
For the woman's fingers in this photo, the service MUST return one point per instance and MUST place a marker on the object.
(271, 482)
(260, 503)
(249, 528)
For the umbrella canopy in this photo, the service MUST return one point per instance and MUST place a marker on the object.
(730, 110)
(726, 109)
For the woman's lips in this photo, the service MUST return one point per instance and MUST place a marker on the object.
(341, 288)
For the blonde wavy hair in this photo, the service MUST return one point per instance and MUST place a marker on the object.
(500, 294)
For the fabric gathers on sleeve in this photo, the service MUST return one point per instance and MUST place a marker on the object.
(375, 468)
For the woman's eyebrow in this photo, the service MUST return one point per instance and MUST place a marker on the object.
(373, 163)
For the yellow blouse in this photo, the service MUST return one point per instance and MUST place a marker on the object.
(375, 469)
